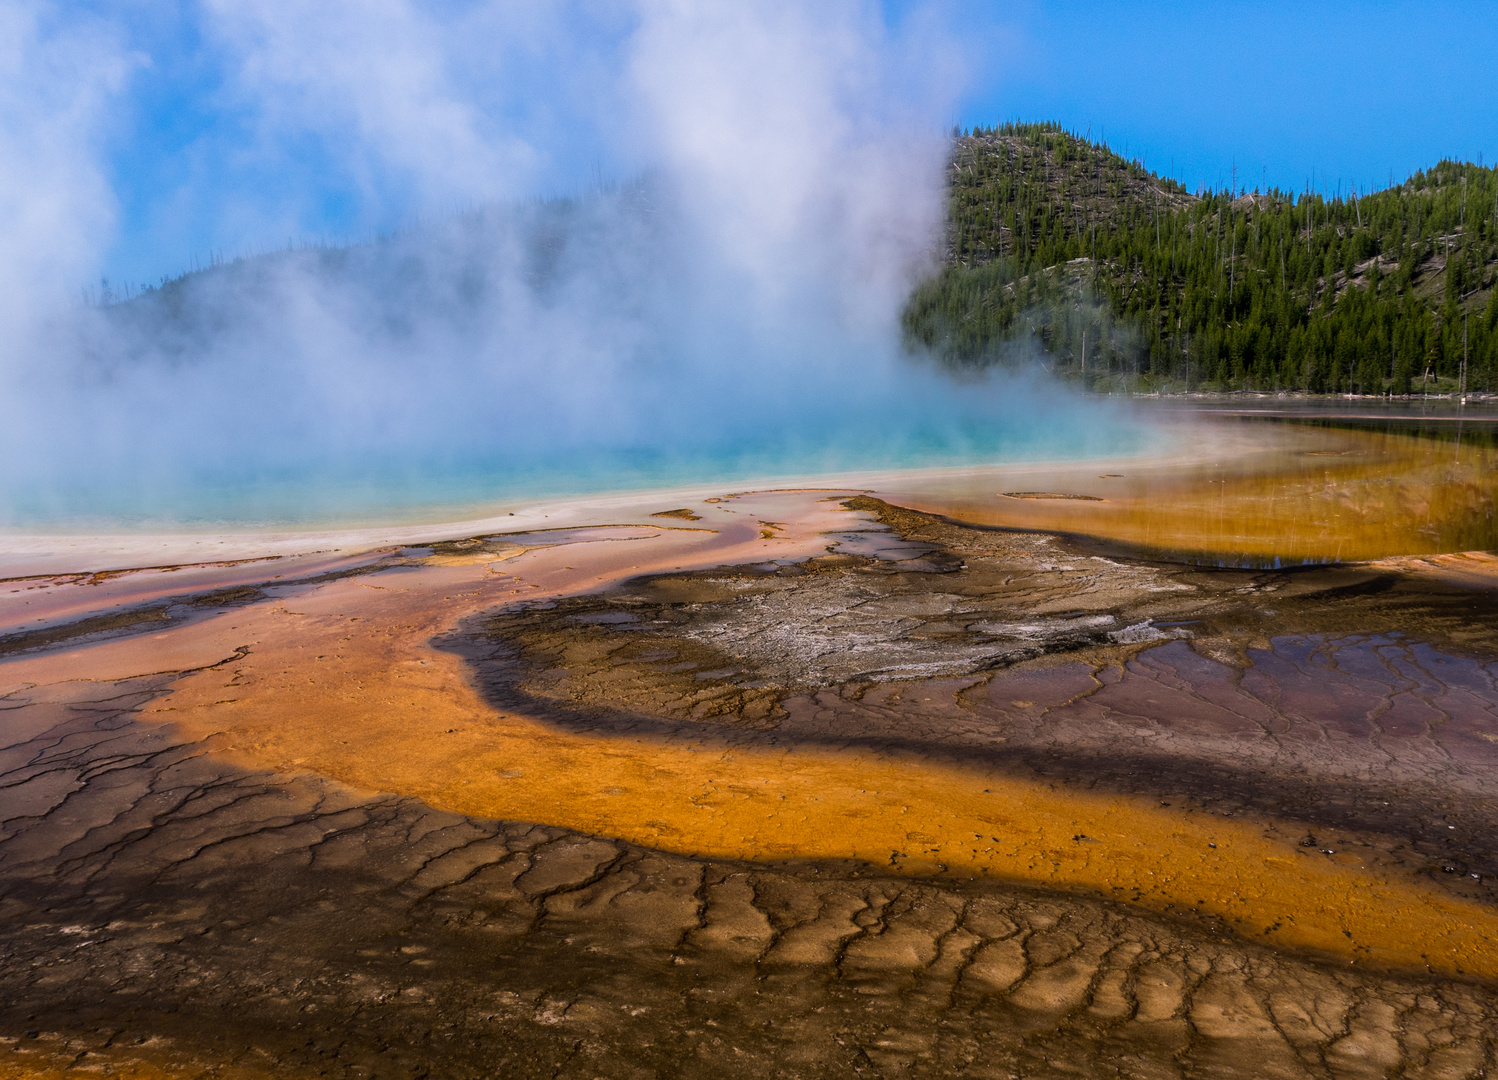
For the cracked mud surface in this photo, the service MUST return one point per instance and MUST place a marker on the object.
(178, 915)
(197, 877)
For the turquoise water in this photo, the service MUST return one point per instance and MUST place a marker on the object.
(955, 425)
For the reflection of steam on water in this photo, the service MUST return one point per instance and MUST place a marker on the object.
(734, 311)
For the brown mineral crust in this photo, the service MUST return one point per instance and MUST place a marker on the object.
(375, 705)
(63, 601)
(1466, 569)
(169, 913)
(805, 813)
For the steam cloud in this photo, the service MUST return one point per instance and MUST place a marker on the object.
(729, 306)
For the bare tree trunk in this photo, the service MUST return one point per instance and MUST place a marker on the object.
(1232, 256)
(1464, 359)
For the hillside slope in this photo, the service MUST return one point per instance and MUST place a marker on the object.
(1117, 276)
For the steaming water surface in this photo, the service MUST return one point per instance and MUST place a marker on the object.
(951, 427)
(627, 340)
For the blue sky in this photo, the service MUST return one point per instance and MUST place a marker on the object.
(210, 146)
(1349, 92)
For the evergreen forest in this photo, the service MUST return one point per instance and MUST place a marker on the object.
(1061, 252)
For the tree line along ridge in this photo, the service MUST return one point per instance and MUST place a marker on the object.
(1060, 251)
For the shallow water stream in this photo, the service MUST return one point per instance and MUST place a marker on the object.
(1265, 489)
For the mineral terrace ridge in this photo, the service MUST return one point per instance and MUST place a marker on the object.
(786, 784)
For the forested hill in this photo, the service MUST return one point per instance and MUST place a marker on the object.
(1125, 279)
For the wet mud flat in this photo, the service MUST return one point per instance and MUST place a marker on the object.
(457, 815)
